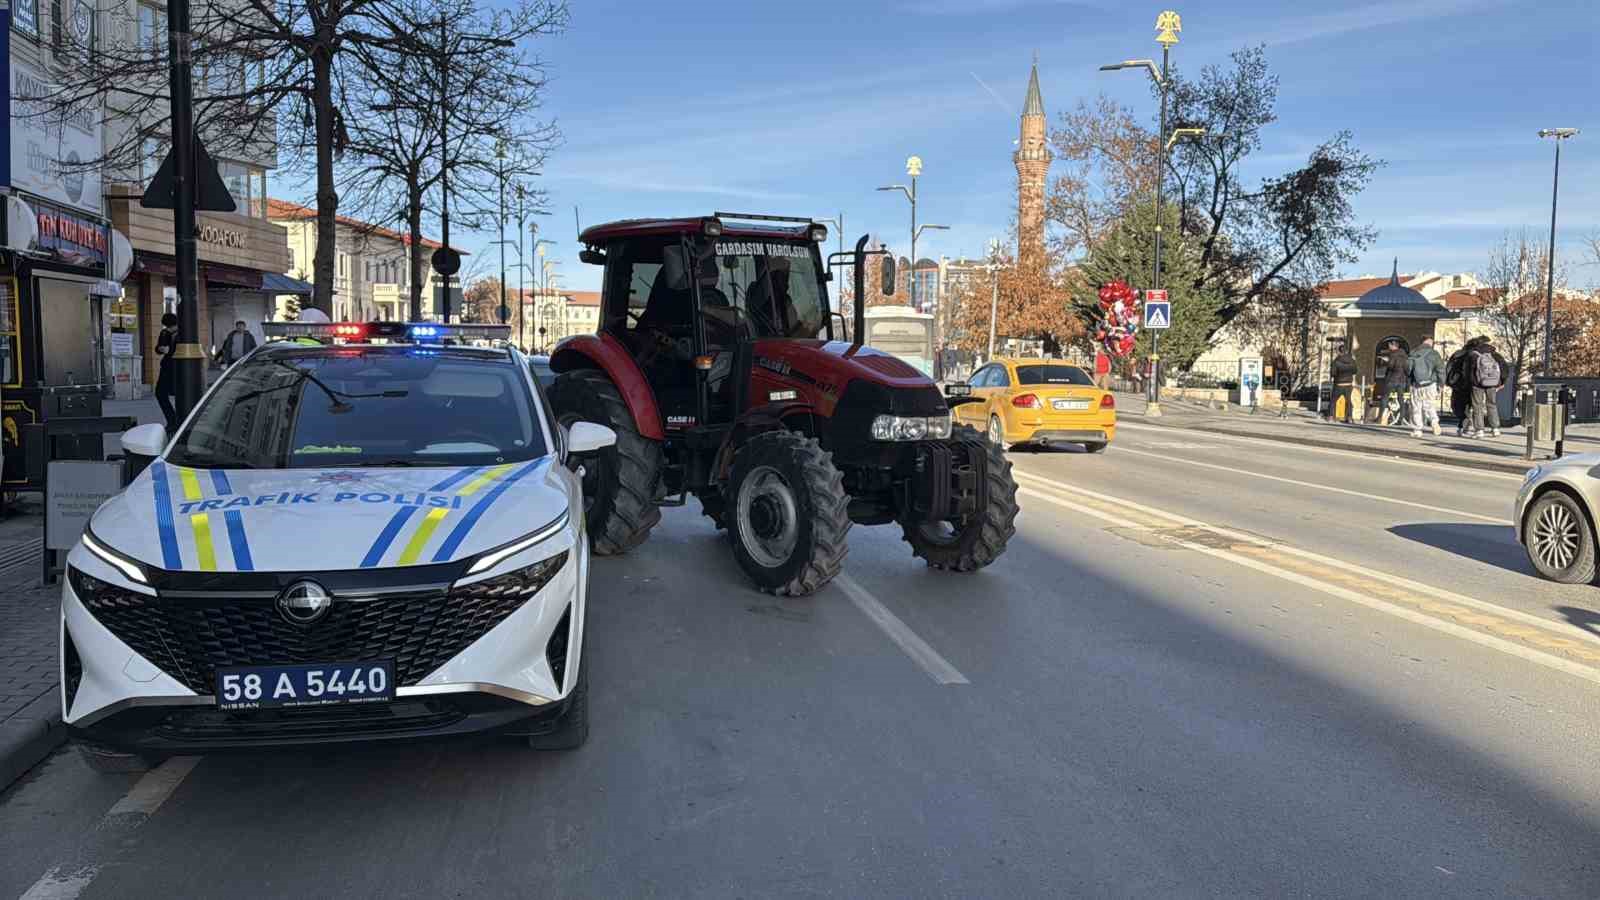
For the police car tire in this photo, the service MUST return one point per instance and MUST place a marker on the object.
(107, 761)
(572, 729)
(624, 507)
(983, 539)
(822, 512)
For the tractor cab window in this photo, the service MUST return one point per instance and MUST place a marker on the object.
(772, 286)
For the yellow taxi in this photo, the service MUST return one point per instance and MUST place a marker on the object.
(1039, 401)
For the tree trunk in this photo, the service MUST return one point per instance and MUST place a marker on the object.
(327, 197)
(419, 269)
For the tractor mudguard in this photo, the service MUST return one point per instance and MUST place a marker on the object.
(767, 417)
(606, 353)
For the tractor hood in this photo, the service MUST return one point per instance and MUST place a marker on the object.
(836, 363)
(273, 520)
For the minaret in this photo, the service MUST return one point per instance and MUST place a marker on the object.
(1033, 163)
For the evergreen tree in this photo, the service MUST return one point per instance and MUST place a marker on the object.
(1127, 253)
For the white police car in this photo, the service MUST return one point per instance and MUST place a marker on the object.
(369, 538)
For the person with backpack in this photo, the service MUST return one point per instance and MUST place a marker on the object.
(1425, 367)
(1484, 368)
(1395, 381)
(1460, 385)
(1344, 386)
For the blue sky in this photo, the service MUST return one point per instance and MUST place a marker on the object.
(805, 108)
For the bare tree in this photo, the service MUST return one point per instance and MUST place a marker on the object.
(393, 170)
(1514, 276)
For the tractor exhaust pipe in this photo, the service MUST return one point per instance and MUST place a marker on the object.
(858, 333)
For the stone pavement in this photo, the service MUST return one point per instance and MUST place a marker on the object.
(1300, 426)
(30, 712)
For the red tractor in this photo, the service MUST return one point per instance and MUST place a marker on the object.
(721, 369)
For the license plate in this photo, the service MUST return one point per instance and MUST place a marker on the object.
(1071, 405)
(313, 684)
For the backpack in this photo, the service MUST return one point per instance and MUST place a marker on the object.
(1486, 370)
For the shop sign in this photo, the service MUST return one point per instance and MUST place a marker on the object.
(73, 239)
(51, 147)
(121, 343)
(222, 237)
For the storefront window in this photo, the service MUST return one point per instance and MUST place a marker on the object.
(25, 17)
(152, 28)
(10, 342)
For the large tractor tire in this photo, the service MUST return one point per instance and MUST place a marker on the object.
(619, 482)
(787, 513)
(979, 539)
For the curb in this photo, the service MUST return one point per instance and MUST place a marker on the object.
(29, 736)
(1516, 467)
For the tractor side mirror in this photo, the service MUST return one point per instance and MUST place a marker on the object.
(592, 257)
(887, 287)
(674, 263)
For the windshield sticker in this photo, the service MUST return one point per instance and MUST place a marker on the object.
(762, 248)
(318, 448)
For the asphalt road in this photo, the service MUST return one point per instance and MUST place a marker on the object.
(1184, 679)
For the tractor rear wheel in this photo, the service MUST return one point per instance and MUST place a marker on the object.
(973, 542)
(619, 482)
(787, 513)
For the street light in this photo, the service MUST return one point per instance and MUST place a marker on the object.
(1167, 26)
(994, 291)
(1560, 134)
(500, 154)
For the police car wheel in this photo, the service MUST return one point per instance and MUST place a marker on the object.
(1560, 543)
(619, 481)
(116, 762)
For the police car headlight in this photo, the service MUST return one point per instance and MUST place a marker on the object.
(121, 563)
(910, 428)
(494, 557)
(523, 582)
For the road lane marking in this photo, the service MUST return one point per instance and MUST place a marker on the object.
(1269, 443)
(111, 836)
(1490, 625)
(1321, 487)
(937, 667)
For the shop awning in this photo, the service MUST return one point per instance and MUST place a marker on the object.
(273, 283)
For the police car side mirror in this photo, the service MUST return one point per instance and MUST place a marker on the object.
(145, 440)
(587, 437)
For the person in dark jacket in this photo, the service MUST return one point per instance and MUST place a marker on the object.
(1344, 386)
(1460, 385)
(1426, 369)
(1395, 379)
(1487, 371)
(167, 370)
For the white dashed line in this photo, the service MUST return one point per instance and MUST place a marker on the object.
(937, 667)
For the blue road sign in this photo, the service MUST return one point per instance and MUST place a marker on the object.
(1157, 314)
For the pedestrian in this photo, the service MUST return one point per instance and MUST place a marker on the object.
(167, 370)
(238, 342)
(1425, 367)
(1485, 369)
(1394, 381)
(1344, 386)
(1456, 376)
(1102, 370)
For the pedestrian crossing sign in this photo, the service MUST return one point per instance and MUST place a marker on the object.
(1157, 314)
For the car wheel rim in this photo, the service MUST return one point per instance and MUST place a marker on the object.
(769, 517)
(1556, 536)
(995, 433)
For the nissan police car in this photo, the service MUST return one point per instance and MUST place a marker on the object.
(362, 532)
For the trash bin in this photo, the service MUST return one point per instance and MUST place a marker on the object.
(1550, 402)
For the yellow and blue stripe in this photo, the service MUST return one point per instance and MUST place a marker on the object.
(171, 558)
(471, 481)
(463, 527)
(200, 524)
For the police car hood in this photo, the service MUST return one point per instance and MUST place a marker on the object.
(301, 520)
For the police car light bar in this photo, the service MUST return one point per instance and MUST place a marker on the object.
(356, 332)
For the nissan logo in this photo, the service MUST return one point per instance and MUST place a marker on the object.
(304, 603)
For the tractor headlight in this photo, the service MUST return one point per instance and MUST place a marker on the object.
(910, 428)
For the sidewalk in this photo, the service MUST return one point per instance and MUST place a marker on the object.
(30, 711)
(1303, 427)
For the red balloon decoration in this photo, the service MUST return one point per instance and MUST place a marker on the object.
(1117, 333)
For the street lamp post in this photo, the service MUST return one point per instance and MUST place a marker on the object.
(1560, 134)
(500, 154)
(994, 291)
(1167, 27)
(522, 271)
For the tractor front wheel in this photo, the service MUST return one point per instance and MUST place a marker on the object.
(787, 513)
(977, 540)
(619, 482)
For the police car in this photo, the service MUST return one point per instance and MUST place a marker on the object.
(363, 531)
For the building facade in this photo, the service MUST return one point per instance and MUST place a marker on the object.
(372, 271)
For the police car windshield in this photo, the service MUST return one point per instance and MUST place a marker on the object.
(369, 407)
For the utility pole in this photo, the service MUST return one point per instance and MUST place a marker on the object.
(444, 154)
(187, 356)
(500, 152)
(522, 272)
(1560, 134)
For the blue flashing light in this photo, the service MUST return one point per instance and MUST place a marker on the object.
(423, 331)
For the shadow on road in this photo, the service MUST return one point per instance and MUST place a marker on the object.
(1492, 544)
(1587, 619)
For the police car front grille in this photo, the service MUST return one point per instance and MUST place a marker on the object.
(189, 638)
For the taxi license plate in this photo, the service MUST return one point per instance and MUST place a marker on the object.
(1071, 405)
(313, 684)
